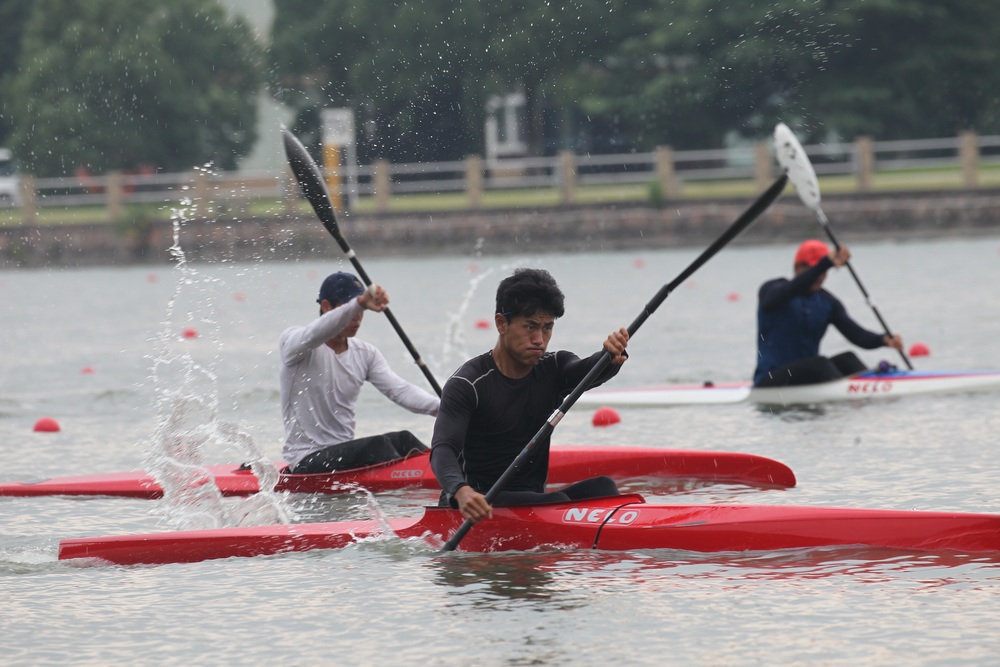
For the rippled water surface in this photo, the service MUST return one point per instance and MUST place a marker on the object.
(102, 351)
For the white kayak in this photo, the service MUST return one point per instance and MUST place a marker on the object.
(863, 386)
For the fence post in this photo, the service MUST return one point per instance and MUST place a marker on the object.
(762, 168)
(664, 156)
(114, 195)
(202, 197)
(382, 181)
(289, 191)
(969, 152)
(29, 200)
(864, 149)
(567, 173)
(474, 180)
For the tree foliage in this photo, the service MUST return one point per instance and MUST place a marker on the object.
(699, 69)
(13, 16)
(121, 83)
(418, 74)
(118, 84)
(689, 73)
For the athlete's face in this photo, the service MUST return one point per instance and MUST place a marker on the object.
(526, 337)
(352, 327)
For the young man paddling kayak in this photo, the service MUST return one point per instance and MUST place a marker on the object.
(493, 405)
(792, 317)
(323, 367)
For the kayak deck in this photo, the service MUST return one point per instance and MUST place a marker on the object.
(614, 523)
(567, 464)
(863, 386)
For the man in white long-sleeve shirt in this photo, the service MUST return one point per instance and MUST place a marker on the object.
(323, 367)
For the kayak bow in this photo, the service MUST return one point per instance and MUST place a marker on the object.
(614, 523)
(567, 464)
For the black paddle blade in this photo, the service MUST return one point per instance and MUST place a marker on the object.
(310, 180)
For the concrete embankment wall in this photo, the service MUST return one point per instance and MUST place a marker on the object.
(898, 216)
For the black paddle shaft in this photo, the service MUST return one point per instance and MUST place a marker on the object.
(314, 188)
(734, 230)
(885, 327)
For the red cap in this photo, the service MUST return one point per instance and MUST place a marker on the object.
(811, 252)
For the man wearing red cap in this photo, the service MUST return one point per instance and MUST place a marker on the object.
(792, 316)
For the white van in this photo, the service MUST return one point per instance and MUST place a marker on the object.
(10, 186)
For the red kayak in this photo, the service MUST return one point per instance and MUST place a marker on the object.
(567, 464)
(616, 523)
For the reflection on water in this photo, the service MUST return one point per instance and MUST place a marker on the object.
(792, 413)
(482, 578)
(561, 576)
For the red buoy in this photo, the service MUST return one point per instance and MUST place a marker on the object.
(46, 425)
(190, 333)
(240, 296)
(605, 417)
(733, 296)
(87, 370)
(482, 324)
(919, 350)
(639, 263)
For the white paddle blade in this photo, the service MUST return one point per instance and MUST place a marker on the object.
(792, 157)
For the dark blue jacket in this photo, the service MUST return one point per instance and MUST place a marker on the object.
(791, 321)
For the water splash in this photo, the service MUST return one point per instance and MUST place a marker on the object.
(189, 424)
(453, 350)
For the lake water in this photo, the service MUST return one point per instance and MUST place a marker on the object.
(102, 351)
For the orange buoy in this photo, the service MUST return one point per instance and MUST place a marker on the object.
(190, 333)
(151, 278)
(605, 417)
(919, 350)
(482, 324)
(46, 425)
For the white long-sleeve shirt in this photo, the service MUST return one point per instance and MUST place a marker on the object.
(320, 388)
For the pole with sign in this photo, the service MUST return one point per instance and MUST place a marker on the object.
(338, 140)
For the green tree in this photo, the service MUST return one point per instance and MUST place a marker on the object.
(13, 16)
(116, 84)
(540, 46)
(698, 70)
(689, 73)
(915, 68)
(410, 70)
(419, 73)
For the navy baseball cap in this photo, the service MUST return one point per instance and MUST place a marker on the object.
(340, 287)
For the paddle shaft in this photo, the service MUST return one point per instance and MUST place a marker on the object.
(734, 230)
(314, 188)
(825, 223)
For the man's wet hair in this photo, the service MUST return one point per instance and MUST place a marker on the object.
(528, 291)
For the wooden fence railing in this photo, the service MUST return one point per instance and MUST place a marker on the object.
(566, 174)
